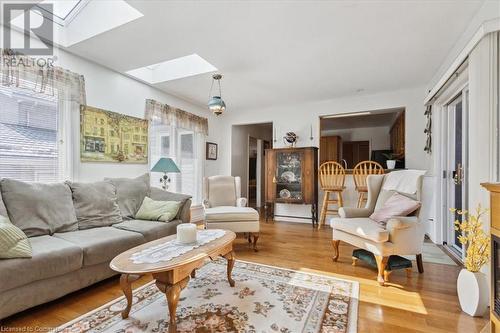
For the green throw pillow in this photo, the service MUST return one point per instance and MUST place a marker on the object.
(13, 242)
(158, 210)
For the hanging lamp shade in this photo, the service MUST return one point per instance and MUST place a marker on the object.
(215, 103)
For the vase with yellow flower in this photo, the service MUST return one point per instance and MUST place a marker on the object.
(472, 284)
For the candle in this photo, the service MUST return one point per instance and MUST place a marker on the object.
(186, 233)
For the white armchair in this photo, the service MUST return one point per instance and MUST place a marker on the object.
(226, 209)
(401, 236)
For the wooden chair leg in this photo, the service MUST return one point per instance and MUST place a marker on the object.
(381, 263)
(387, 274)
(336, 249)
(255, 239)
(341, 200)
(408, 272)
(324, 208)
(420, 263)
(354, 261)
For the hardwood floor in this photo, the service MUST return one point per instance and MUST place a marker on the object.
(423, 303)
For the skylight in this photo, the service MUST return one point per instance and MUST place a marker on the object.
(173, 69)
(63, 12)
(78, 20)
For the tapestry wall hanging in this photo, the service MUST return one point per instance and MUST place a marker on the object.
(112, 137)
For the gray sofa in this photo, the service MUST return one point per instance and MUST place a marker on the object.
(71, 255)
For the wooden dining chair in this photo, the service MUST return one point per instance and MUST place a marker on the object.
(360, 172)
(331, 179)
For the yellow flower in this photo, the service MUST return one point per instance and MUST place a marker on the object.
(473, 237)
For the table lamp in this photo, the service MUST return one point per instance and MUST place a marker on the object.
(165, 165)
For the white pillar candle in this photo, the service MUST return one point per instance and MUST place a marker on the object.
(186, 233)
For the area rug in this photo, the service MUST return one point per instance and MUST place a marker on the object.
(265, 299)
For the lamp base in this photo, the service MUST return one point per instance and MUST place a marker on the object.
(165, 180)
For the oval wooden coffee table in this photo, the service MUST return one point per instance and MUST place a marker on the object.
(173, 275)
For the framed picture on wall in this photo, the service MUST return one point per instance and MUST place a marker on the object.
(211, 151)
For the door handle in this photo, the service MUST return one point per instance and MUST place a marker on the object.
(458, 175)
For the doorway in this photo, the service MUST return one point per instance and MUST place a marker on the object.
(248, 144)
(252, 171)
(455, 171)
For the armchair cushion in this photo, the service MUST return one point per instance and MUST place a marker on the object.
(362, 227)
(396, 205)
(230, 213)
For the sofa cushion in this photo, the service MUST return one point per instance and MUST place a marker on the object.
(230, 213)
(13, 241)
(396, 205)
(130, 193)
(3, 209)
(102, 244)
(185, 209)
(363, 227)
(51, 257)
(151, 230)
(153, 210)
(39, 209)
(95, 204)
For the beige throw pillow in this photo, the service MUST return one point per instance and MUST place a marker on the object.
(157, 210)
(13, 242)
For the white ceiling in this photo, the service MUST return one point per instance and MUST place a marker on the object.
(285, 52)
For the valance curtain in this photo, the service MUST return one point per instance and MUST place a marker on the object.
(41, 76)
(170, 116)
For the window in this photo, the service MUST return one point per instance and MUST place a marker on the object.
(185, 147)
(29, 136)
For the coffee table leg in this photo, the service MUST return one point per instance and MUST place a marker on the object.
(173, 292)
(230, 257)
(126, 286)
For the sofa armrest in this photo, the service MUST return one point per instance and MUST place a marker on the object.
(184, 212)
(351, 212)
(241, 202)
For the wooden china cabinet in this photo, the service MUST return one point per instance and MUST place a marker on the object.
(292, 178)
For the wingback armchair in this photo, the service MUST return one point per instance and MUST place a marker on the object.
(226, 209)
(403, 235)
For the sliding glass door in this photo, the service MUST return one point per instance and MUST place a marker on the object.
(456, 177)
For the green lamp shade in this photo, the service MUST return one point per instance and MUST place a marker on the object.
(165, 165)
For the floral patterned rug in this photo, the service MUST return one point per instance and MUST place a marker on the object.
(265, 299)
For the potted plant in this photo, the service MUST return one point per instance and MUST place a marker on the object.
(391, 160)
(472, 285)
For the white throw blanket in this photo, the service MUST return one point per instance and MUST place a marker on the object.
(404, 181)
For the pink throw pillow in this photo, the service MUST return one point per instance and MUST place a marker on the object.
(396, 205)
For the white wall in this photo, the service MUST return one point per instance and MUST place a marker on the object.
(379, 137)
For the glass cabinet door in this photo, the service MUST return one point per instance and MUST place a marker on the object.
(289, 176)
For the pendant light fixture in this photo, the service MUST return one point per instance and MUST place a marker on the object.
(215, 103)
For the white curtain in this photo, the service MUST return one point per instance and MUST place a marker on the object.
(181, 136)
(41, 77)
